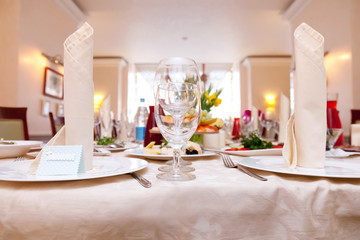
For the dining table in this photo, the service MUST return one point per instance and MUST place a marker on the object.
(221, 203)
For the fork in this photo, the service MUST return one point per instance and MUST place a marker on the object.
(230, 164)
(19, 159)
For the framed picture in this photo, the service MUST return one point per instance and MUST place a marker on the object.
(53, 83)
(45, 108)
(60, 110)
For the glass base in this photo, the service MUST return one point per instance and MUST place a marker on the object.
(169, 168)
(182, 163)
(171, 176)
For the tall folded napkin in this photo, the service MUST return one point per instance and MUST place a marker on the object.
(283, 116)
(255, 118)
(306, 137)
(105, 116)
(78, 95)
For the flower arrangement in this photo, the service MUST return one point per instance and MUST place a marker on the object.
(208, 101)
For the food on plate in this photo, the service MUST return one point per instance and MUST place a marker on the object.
(167, 119)
(219, 123)
(190, 148)
(207, 129)
(105, 141)
(211, 124)
(252, 142)
(149, 149)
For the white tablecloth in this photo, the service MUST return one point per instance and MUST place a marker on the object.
(221, 203)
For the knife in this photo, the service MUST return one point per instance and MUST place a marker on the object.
(143, 181)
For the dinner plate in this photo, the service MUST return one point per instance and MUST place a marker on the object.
(139, 152)
(18, 148)
(102, 167)
(334, 167)
(117, 149)
(339, 153)
(260, 152)
(157, 131)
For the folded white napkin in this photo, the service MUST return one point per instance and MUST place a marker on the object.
(78, 95)
(306, 136)
(283, 116)
(255, 118)
(105, 114)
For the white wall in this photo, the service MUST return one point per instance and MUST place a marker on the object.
(355, 43)
(337, 21)
(110, 78)
(9, 32)
(33, 26)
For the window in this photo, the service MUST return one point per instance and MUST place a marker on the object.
(219, 75)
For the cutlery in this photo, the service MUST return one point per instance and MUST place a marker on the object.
(230, 164)
(143, 181)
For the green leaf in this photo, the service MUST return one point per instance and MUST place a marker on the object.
(105, 141)
(254, 142)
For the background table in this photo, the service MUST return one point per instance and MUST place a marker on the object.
(221, 203)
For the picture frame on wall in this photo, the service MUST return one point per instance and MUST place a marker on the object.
(53, 83)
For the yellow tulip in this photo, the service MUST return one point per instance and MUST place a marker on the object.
(213, 96)
(206, 94)
(217, 102)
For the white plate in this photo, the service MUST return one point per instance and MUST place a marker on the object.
(334, 167)
(260, 152)
(127, 146)
(17, 149)
(339, 153)
(139, 152)
(103, 167)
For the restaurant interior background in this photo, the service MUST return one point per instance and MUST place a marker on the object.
(246, 43)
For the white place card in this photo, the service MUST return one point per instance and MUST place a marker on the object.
(61, 160)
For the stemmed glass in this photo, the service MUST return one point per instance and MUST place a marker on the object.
(117, 126)
(268, 120)
(245, 122)
(177, 109)
(129, 127)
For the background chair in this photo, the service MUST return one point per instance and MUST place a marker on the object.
(355, 116)
(13, 123)
(56, 123)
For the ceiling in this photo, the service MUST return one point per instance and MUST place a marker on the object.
(205, 30)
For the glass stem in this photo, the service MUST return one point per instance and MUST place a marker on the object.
(176, 162)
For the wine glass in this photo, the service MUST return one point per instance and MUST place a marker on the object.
(117, 126)
(176, 70)
(129, 127)
(246, 121)
(267, 121)
(177, 109)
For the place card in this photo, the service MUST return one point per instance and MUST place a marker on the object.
(61, 160)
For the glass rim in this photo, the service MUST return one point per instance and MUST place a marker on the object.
(170, 61)
(166, 85)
